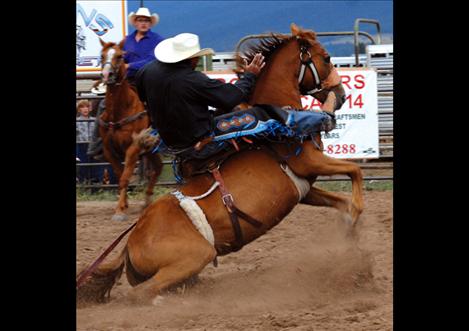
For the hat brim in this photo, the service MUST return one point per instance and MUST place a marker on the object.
(155, 18)
(164, 52)
(100, 89)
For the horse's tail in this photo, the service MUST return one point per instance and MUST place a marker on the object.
(98, 287)
(145, 140)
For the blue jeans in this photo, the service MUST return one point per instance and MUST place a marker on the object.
(308, 122)
(261, 121)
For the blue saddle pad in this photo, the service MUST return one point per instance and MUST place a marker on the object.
(253, 121)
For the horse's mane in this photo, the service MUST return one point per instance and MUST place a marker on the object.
(268, 45)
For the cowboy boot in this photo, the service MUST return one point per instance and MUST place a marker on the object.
(302, 122)
(305, 122)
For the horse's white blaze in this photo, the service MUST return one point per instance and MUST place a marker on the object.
(107, 63)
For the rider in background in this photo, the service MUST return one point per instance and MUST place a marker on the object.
(139, 50)
(139, 45)
(178, 98)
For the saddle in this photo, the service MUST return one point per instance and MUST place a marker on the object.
(192, 167)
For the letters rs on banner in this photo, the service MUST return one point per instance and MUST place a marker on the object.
(98, 19)
(356, 135)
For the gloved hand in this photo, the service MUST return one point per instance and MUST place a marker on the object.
(328, 123)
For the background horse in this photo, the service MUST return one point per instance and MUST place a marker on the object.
(165, 248)
(123, 118)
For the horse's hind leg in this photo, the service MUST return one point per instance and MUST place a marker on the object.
(187, 261)
(156, 164)
(131, 158)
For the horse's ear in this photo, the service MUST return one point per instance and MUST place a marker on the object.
(121, 44)
(295, 30)
(102, 42)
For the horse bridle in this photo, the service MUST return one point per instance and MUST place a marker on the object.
(128, 119)
(308, 63)
(114, 70)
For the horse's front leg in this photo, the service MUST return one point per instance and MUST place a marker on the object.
(131, 158)
(321, 198)
(312, 162)
(116, 165)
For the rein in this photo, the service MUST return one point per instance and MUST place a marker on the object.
(81, 278)
(121, 123)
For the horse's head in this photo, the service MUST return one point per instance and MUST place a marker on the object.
(112, 62)
(317, 75)
(296, 65)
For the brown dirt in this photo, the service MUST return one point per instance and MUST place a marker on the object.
(301, 275)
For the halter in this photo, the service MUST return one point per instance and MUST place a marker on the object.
(308, 63)
(114, 69)
(129, 119)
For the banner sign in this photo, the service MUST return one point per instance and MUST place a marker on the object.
(98, 19)
(356, 135)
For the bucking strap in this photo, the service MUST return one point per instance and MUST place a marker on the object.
(233, 211)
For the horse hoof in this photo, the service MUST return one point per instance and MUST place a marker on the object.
(157, 300)
(351, 234)
(120, 217)
(347, 220)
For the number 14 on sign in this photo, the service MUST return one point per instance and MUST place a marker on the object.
(356, 101)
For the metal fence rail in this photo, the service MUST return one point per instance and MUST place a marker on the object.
(374, 165)
(174, 183)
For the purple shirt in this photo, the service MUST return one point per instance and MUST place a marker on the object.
(140, 53)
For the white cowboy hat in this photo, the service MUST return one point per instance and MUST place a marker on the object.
(181, 47)
(100, 89)
(142, 11)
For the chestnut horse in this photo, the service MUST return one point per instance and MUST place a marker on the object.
(123, 118)
(165, 247)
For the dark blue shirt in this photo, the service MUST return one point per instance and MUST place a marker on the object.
(140, 53)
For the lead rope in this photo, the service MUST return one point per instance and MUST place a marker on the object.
(81, 278)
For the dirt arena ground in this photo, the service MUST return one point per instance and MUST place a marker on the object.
(301, 275)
